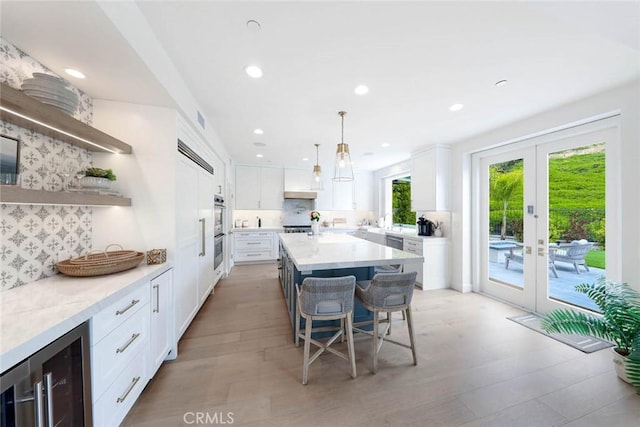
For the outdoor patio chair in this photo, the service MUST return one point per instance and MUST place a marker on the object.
(574, 254)
(515, 255)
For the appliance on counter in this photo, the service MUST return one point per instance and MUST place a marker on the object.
(218, 230)
(52, 387)
(425, 227)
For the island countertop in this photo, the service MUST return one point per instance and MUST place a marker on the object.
(334, 251)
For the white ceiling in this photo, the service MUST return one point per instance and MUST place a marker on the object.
(417, 58)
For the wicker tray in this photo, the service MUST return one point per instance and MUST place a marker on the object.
(106, 262)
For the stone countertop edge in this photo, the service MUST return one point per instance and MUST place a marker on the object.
(390, 255)
(247, 229)
(34, 315)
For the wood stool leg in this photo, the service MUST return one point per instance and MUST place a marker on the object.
(352, 353)
(412, 339)
(375, 342)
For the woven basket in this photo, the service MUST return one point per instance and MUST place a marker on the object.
(105, 262)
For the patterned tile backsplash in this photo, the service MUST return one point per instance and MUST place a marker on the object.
(32, 237)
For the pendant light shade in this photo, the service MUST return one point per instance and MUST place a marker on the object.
(316, 175)
(343, 171)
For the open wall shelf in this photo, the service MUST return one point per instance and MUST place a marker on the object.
(12, 194)
(27, 112)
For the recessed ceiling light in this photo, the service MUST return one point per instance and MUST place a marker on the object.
(74, 73)
(253, 71)
(305, 159)
(259, 155)
(361, 90)
(385, 144)
(501, 83)
(258, 131)
(456, 107)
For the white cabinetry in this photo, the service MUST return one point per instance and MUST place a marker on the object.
(342, 196)
(160, 326)
(119, 355)
(259, 188)
(434, 272)
(347, 196)
(363, 191)
(297, 180)
(194, 273)
(251, 246)
(218, 175)
(379, 238)
(430, 172)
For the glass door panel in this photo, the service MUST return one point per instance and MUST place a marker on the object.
(507, 262)
(572, 224)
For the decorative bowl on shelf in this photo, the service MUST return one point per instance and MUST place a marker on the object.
(94, 182)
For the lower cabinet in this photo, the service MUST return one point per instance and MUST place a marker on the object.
(251, 246)
(160, 325)
(434, 272)
(129, 340)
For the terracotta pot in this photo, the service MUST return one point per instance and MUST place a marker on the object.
(620, 363)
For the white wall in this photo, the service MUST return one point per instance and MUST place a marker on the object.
(624, 99)
(147, 176)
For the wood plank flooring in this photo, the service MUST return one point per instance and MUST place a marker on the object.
(237, 365)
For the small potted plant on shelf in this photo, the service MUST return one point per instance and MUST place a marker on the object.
(619, 323)
(97, 178)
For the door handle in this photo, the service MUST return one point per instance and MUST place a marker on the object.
(48, 385)
(202, 242)
(157, 309)
(527, 250)
(38, 397)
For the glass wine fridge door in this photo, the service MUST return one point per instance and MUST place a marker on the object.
(52, 387)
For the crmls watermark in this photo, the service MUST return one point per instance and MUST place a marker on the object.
(208, 417)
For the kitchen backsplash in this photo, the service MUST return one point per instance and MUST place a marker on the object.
(33, 238)
(274, 218)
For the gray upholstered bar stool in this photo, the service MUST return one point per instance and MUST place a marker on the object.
(325, 299)
(387, 293)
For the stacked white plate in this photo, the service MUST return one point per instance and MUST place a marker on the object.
(51, 90)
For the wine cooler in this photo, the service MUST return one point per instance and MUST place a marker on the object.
(50, 388)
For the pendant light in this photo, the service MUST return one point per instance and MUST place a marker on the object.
(343, 171)
(316, 176)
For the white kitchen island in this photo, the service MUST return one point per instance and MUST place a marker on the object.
(332, 255)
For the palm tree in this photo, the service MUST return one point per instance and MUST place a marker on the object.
(502, 186)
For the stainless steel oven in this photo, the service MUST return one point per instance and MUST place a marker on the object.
(52, 387)
(218, 250)
(218, 213)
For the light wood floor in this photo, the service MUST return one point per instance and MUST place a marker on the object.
(475, 368)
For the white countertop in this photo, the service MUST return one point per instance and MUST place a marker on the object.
(407, 232)
(335, 250)
(247, 229)
(36, 314)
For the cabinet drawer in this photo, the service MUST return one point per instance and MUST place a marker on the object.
(254, 245)
(110, 356)
(412, 246)
(112, 316)
(111, 408)
(254, 255)
(254, 235)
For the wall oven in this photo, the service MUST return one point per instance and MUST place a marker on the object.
(52, 387)
(218, 228)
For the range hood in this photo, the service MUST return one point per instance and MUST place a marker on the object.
(308, 195)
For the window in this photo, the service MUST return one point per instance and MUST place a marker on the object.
(401, 201)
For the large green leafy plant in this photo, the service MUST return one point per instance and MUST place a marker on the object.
(619, 323)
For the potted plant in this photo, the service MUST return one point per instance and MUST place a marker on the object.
(315, 221)
(619, 323)
(97, 178)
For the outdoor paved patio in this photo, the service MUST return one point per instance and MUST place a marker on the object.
(561, 288)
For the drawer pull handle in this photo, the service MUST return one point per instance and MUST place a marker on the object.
(253, 243)
(157, 288)
(128, 390)
(128, 343)
(124, 310)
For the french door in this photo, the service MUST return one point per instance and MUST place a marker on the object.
(547, 211)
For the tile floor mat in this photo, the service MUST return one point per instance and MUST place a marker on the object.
(584, 343)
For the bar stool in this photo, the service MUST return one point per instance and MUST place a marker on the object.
(393, 268)
(387, 293)
(325, 299)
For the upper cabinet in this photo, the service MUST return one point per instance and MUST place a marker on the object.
(218, 175)
(430, 175)
(346, 196)
(297, 180)
(26, 112)
(259, 187)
